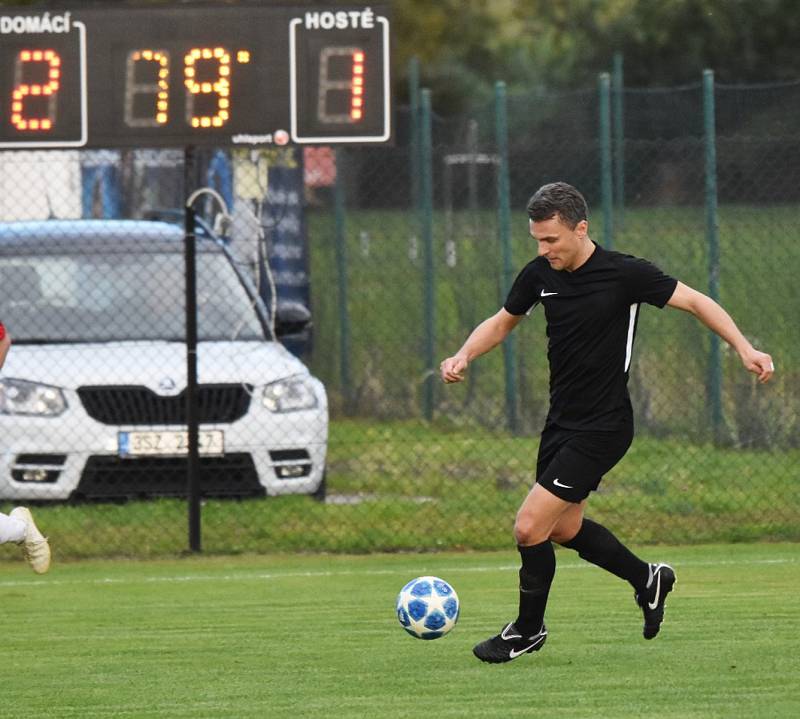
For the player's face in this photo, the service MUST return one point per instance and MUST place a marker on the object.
(559, 244)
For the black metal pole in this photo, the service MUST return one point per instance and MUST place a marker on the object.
(193, 464)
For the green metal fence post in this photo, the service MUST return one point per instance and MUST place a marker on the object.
(712, 238)
(426, 205)
(606, 178)
(504, 232)
(341, 274)
(414, 147)
(618, 118)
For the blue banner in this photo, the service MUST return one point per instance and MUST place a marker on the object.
(285, 234)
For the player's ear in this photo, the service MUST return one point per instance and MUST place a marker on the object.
(582, 228)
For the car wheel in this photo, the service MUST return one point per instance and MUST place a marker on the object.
(321, 491)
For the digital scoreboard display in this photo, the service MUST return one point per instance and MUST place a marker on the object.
(193, 75)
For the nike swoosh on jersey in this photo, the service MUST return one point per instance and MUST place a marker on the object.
(547, 294)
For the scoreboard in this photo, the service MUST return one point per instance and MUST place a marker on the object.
(249, 75)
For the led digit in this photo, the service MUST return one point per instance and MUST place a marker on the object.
(196, 84)
(353, 84)
(159, 88)
(25, 90)
(357, 96)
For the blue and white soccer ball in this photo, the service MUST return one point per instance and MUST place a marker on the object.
(427, 607)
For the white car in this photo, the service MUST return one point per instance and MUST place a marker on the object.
(92, 394)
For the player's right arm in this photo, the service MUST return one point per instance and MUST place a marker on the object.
(486, 336)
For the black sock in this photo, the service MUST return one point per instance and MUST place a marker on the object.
(535, 578)
(597, 545)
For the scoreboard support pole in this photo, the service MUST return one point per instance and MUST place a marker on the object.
(193, 461)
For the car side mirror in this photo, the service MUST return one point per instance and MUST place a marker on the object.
(291, 318)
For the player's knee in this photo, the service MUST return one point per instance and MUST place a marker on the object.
(528, 532)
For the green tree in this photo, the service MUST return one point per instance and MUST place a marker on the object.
(453, 41)
(664, 43)
(463, 47)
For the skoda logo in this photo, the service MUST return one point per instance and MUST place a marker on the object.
(167, 384)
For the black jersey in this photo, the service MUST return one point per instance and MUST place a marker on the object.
(591, 318)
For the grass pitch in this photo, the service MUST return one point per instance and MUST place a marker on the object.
(315, 636)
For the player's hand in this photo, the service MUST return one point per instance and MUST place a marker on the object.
(759, 363)
(453, 369)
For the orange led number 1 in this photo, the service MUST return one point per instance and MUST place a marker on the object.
(45, 88)
(353, 83)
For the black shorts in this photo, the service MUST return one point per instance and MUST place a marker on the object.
(571, 462)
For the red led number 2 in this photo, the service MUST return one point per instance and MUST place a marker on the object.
(44, 66)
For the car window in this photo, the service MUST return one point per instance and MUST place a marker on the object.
(121, 296)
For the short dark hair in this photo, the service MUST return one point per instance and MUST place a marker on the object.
(558, 198)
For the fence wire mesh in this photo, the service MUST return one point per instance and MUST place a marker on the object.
(336, 434)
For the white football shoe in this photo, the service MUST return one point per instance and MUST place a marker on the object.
(35, 547)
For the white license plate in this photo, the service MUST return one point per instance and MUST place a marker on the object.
(174, 444)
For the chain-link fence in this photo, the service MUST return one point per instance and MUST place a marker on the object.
(398, 252)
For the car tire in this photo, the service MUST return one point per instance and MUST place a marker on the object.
(321, 491)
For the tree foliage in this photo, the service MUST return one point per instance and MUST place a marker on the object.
(452, 40)
(663, 43)
(463, 47)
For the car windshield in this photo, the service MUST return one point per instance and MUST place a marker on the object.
(121, 296)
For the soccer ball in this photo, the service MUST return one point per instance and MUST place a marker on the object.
(427, 607)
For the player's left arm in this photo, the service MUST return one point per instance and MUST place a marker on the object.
(718, 320)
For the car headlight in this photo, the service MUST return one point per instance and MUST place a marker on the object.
(18, 396)
(288, 395)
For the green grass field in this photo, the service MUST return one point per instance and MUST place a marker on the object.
(316, 636)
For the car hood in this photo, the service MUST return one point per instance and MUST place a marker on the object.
(161, 366)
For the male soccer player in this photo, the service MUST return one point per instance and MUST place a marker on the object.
(19, 526)
(591, 300)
